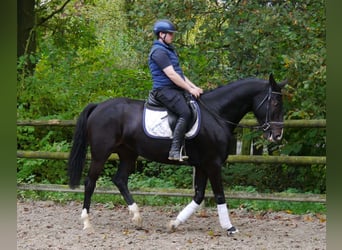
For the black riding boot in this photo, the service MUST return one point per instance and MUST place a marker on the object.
(178, 137)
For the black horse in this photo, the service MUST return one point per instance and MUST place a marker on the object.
(115, 126)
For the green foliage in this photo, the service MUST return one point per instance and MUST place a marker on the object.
(260, 205)
(44, 171)
(163, 176)
(277, 178)
(84, 56)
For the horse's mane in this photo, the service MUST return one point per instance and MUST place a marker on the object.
(233, 84)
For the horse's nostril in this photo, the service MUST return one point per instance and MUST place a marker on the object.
(278, 137)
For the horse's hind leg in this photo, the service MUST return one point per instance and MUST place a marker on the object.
(200, 184)
(126, 167)
(89, 187)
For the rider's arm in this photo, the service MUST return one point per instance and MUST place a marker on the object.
(176, 78)
(184, 84)
(190, 82)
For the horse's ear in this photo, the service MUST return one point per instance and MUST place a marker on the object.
(271, 77)
(274, 84)
(272, 81)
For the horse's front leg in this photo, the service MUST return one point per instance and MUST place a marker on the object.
(200, 185)
(121, 181)
(222, 208)
(137, 219)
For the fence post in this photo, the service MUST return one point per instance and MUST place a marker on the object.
(246, 142)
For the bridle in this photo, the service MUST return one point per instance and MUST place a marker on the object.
(265, 126)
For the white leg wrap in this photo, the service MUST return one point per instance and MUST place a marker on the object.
(224, 216)
(183, 215)
(85, 219)
(134, 209)
(187, 212)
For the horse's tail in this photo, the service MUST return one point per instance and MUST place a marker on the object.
(78, 151)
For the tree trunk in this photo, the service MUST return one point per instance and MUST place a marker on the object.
(26, 38)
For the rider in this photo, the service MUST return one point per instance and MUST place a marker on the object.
(170, 84)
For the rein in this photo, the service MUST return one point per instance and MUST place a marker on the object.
(267, 124)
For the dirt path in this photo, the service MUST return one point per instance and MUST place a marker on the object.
(46, 225)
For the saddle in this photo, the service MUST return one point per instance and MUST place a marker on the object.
(165, 119)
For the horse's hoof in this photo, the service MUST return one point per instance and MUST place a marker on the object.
(231, 231)
(173, 224)
(86, 221)
(88, 228)
(137, 220)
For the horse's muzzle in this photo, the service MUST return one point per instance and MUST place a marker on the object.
(274, 135)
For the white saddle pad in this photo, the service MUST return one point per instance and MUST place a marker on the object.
(156, 124)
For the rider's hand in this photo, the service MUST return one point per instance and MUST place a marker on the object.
(196, 92)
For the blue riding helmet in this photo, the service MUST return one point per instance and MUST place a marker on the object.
(163, 25)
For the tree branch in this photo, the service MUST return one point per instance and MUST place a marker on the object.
(44, 19)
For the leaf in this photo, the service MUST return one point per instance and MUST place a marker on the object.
(289, 211)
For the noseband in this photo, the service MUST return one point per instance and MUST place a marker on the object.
(267, 124)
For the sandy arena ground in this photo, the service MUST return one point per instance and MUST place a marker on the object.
(46, 225)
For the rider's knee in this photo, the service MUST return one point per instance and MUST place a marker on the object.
(186, 115)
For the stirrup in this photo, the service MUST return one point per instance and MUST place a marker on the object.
(177, 156)
(183, 156)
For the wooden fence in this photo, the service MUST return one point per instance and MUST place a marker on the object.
(309, 160)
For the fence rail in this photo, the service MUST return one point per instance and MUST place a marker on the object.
(319, 198)
(231, 159)
(318, 123)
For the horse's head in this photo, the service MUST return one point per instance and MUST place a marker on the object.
(269, 111)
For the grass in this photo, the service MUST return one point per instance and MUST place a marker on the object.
(111, 200)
